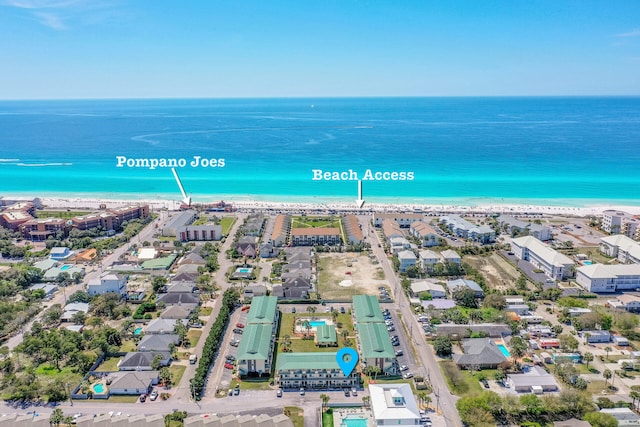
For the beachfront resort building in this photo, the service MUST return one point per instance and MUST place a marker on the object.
(315, 236)
(352, 229)
(617, 222)
(40, 229)
(515, 226)
(404, 220)
(464, 229)
(281, 227)
(623, 248)
(255, 353)
(608, 278)
(393, 404)
(554, 264)
(313, 371)
(204, 232)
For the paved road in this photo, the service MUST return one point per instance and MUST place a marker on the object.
(444, 400)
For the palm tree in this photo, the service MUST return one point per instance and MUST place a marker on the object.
(587, 357)
(635, 395)
(311, 310)
(427, 401)
(607, 374)
(286, 342)
(366, 400)
(421, 396)
(325, 400)
(607, 349)
(307, 326)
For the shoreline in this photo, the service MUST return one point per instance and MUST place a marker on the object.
(242, 203)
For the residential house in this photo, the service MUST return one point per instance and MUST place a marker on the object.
(313, 371)
(434, 289)
(428, 259)
(132, 383)
(267, 250)
(596, 337)
(554, 264)
(179, 298)
(49, 290)
(608, 278)
(177, 312)
(626, 302)
(163, 326)
(407, 259)
(247, 247)
(454, 285)
(71, 309)
(143, 361)
(53, 274)
(571, 422)
(479, 353)
(534, 380)
(624, 416)
(108, 282)
(450, 256)
(181, 287)
(391, 229)
(465, 331)
(425, 232)
(398, 244)
(158, 342)
(393, 404)
(60, 253)
(438, 304)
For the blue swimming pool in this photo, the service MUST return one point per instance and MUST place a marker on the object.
(244, 270)
(504, 350)
(316, 323)
(98, 388)
(354, 421)
(65, 267)
(588, 262)
(138, 330)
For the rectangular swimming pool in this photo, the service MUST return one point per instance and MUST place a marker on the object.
(504, 350)
(354, 421)
(316, 323)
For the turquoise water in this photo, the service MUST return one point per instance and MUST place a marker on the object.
(244, 270)
(557, 151)
(65, 267)
(354, 421)
(588, 262)
(316, 323)
(504, 350)
(137, 331)
(98, 388)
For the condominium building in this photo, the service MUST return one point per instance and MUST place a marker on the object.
(428, 259)
(315, 236)
(313, 371)
(512, 224)
(609, 278)
(204, 232)
(366, 309)
(41, 229)
(281, 228)
(404, 220)
(622, 247)
(375, 348)
(352, 229)
(467, 230)
(554, 264)
(255, 353)
(407, 259)
(425, 232)
(391, 229)
(617, 222)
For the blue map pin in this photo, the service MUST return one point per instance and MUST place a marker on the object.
(347, 359)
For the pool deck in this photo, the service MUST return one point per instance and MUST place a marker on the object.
(340, 413)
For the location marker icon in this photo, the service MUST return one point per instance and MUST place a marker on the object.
(347, 359)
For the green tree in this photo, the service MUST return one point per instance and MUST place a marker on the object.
(607, 374)
(518, 347)
(155, 363)
(158, 283)
(607, 350)
(165, 377)
(496, 301)
(465, 297)
(599, 419)
(443, 346)
(57, 417)
(325, 400)
(568, 342)
(181, 330)
(311, 310)
(587, 357)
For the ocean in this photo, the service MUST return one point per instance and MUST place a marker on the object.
(572, 151)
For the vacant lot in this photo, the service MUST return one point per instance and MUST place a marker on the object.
(498, 272)
(314, 222)
(342, 275)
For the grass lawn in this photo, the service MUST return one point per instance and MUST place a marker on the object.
(127, 346)
(252, 384)
(226, 223)
(59, 214)
(314, 222)
(327, 419)
(596, 387)
(206, 311)
(464, 384)
(109, 365)
(123, 399)
(193, 336)
(50, 370)
(296, 415)
(300, 345)
(177, 371)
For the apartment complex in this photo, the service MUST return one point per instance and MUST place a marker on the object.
(352, 229)
(315, 236)
(609, 278)
(467, 230)
(425, 232)
(281, 228)
(404, 220)
(617, 222)
(512, 225)
(621, 247)
(313, 371)
(374, 344)
(112, 219)
(554, 264)
(255, 353)
(204, 232)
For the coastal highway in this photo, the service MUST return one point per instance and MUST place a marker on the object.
(442, 398)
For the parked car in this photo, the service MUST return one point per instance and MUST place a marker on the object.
(236, 391)
(407, 375)
(238, 331)
(395, 343)
(342, 310)
(301, 391)
(239, 325)
(354, 392)
(404, 368)
(293, 310)
(228, 366)
(230, 358)
(485, 383)
(279, 392)
(399, 353)
(154, 395)
(346, 392)
(143, 397)
(230, 392)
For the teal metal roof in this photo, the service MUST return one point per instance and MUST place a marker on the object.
(375, 341)
(326, 334)
(255, 343)
(263, 310)
(367, 309)
(310, 361)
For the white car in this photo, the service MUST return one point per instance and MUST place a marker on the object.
(154, 395)
(404, 368)
(407, 375)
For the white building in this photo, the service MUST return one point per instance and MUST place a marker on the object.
(398, 244)
(436, 291)
(428, 259)
(467, 230)
(108, 282)
(450, 256)
(538, 231)
(626, 302)
(393, 404)
(625, 416)
(425, 232)
(551, 262)
(617, 222)
(609, 278)
(623, 248)
(407, 259)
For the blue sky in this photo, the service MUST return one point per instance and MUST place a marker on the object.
(307, 48)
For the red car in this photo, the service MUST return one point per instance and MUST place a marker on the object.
(246, 307)
(228, 366)
(239, 325)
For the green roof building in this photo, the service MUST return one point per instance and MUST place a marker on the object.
(376, 348)
(263, 310)
(326, 335)
(256, 350)
(313, 371)
(163, 263)
(366, 309)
